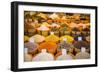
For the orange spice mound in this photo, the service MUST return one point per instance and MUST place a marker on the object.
(50, 46)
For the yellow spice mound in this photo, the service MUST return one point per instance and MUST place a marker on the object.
(70, 39)
(52, 38)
